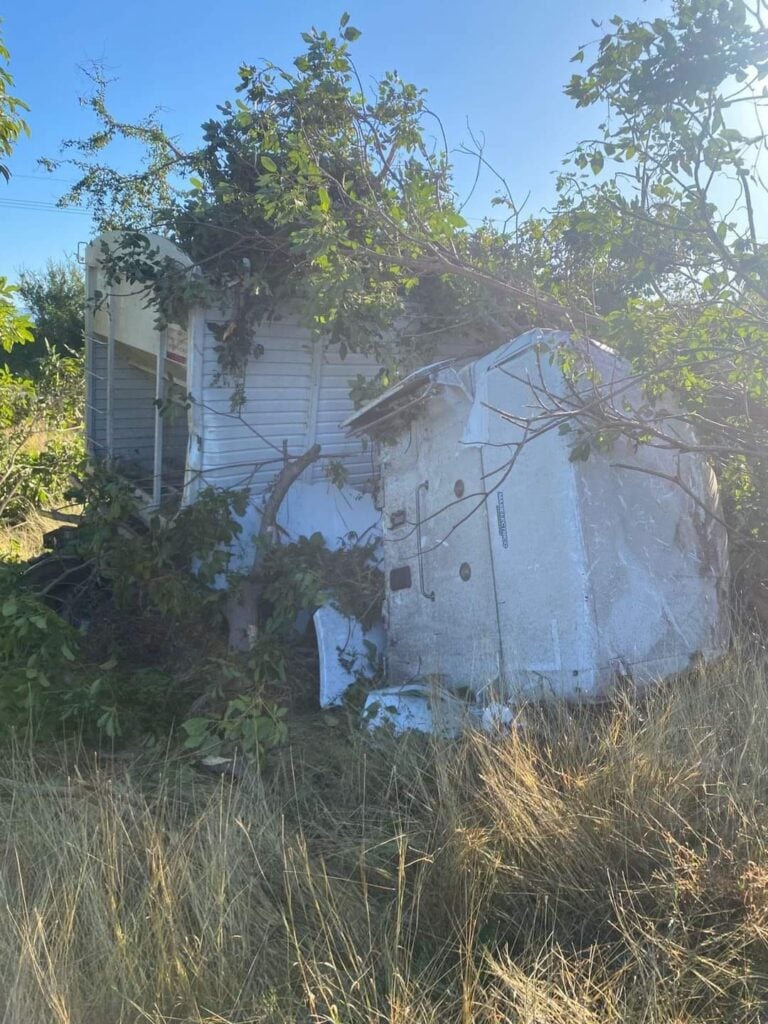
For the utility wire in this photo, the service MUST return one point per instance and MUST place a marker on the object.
(43, 177)
(40, 206)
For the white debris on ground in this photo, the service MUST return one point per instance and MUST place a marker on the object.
(347, 652)
(418, 707)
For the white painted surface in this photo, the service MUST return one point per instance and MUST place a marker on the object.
(576, 568)
(452, 636)
(543, 598)
(296, 394)
(342, 646)
(341, 515)
(134, 418)
(132, 319)
(417, 707)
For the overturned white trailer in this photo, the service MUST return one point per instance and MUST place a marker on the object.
(516, 571)
(509, 566)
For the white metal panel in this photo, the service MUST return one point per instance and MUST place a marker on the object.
(196, 435)
(596, 571)
(126, 303)
(175, 448)
(296, 393)
(157, 468)
(245, 448)
(659, 573)
(440, 624)
(638, 562)
(133, 418)
(542, 580)
(96, 395)
(333, 406)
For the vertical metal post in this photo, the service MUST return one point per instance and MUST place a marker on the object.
(315, 385)
(157, 477)
(195, 460)
(111, 375)
(88, 316)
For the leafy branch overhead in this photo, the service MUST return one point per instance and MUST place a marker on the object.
(12, 123)
(309, 192)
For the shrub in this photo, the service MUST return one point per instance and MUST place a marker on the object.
(55, 681)
(40, 440)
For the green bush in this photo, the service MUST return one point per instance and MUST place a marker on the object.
(55, 681)
(40, 435)
(308, 574)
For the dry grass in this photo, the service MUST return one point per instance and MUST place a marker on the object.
(22, 541)
(591, 867)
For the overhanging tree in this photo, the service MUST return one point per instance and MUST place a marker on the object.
(307, 191)
(662, 224)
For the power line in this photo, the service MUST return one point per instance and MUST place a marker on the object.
(43, 177)
(39, 206)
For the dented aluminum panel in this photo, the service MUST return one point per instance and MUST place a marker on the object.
(513, 570)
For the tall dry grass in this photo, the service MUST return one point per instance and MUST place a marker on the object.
(22, 541)
(593, 866)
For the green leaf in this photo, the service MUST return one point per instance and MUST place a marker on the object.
(351, 34)
(268, 164)
(580, 452)
(455, 220)
(196, 726)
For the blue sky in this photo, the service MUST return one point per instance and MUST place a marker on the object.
(500, 65)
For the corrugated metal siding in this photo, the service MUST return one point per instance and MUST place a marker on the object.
(241, 449)
(134, 418)
(334, 405)
(296, 394)
(246, 448)
(97, 396)
(133, 410)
